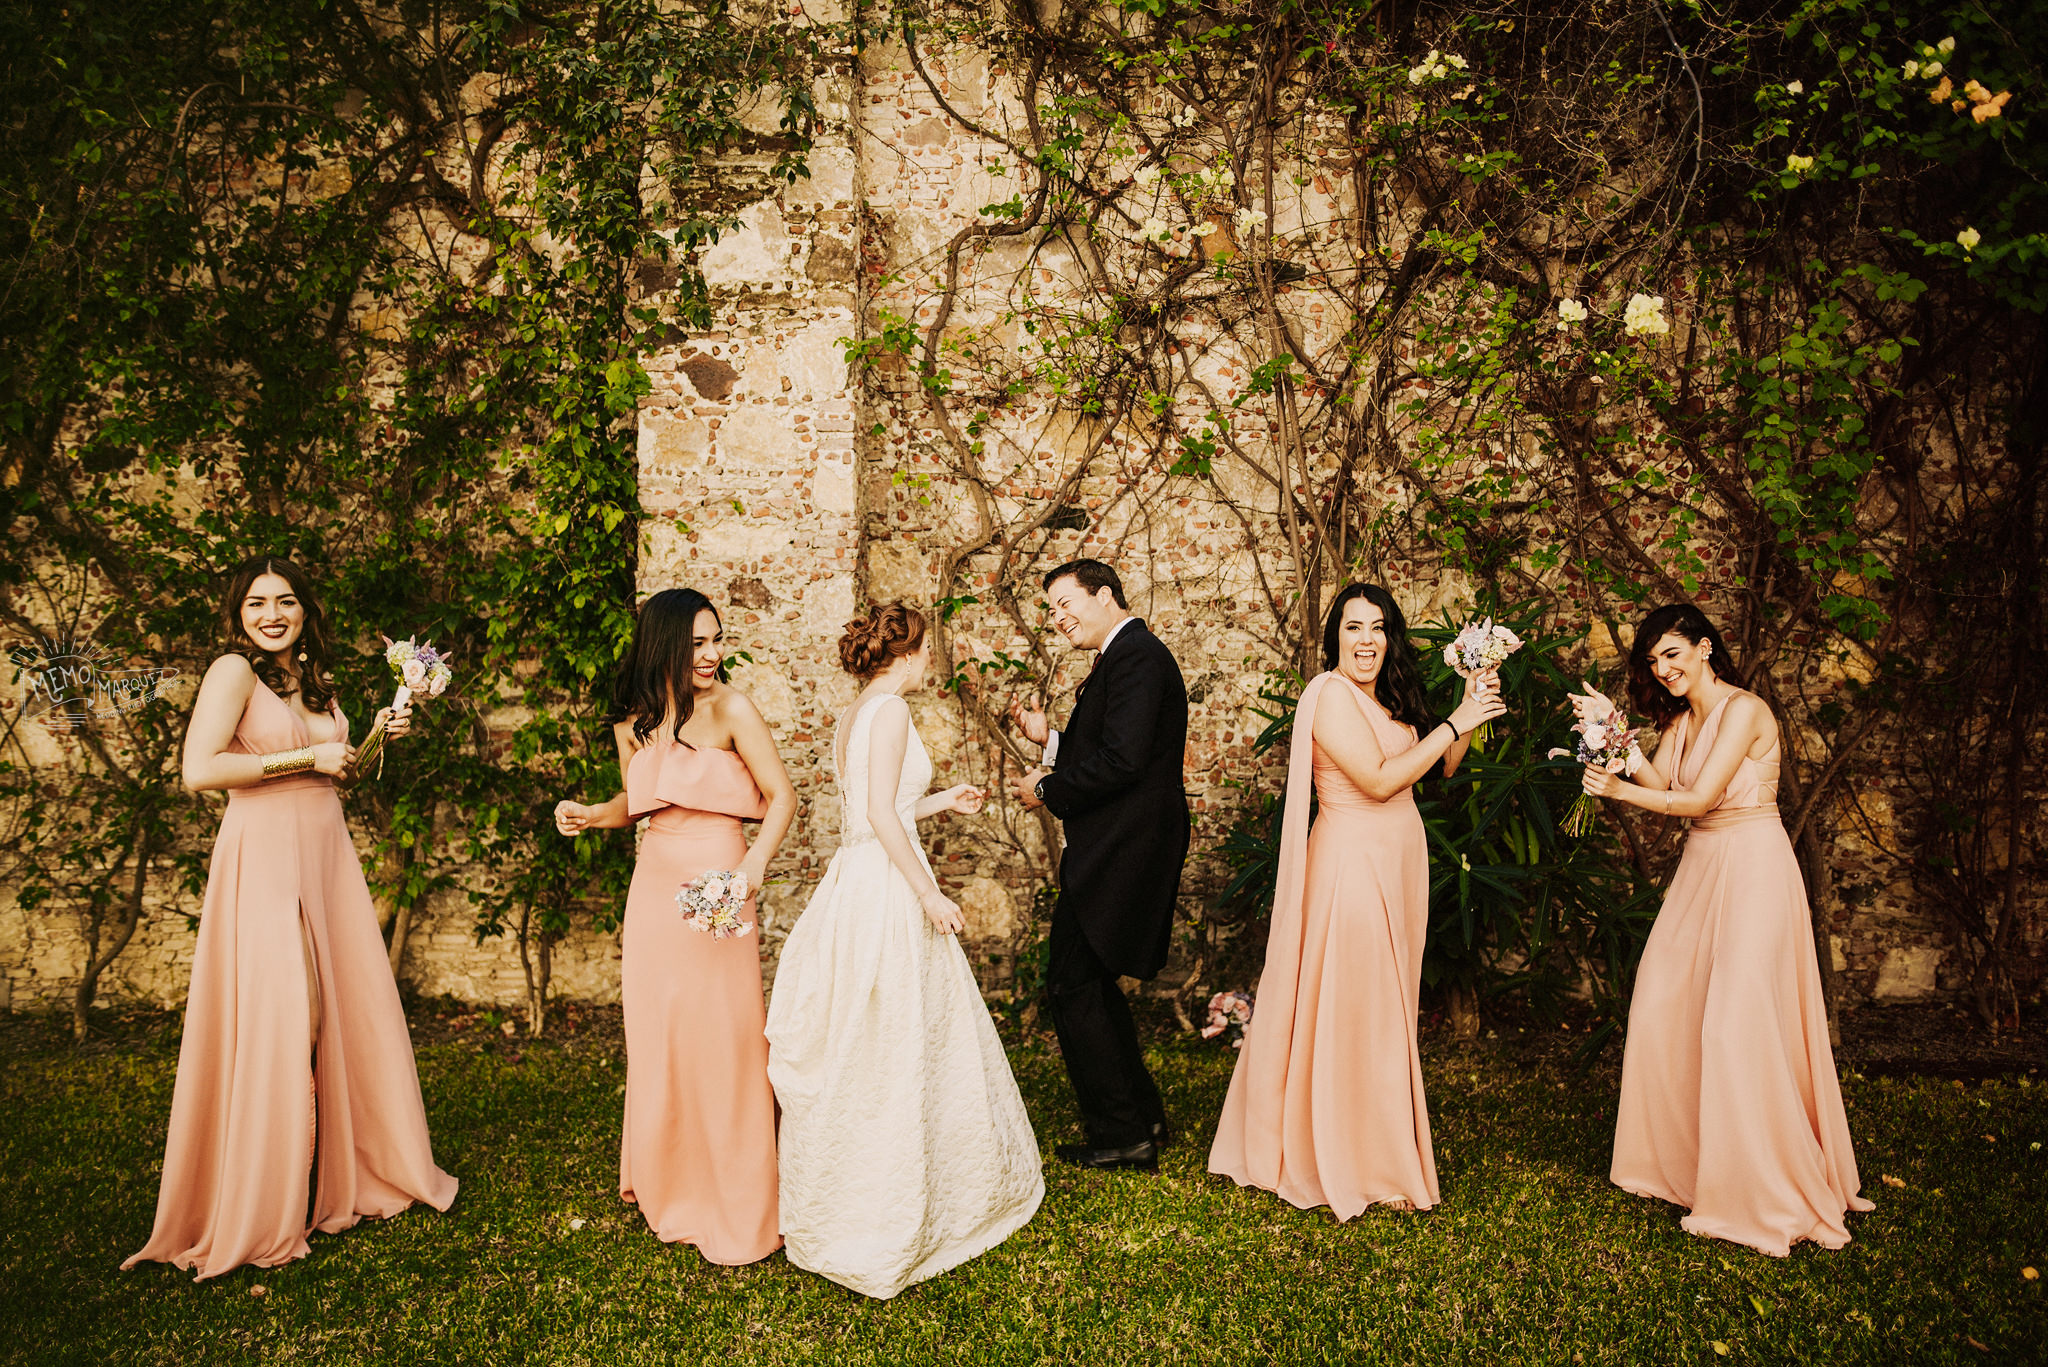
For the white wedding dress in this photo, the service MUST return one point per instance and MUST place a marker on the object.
(904, 1149)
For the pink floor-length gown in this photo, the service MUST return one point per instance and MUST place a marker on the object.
(697, 1150)
(242, 1132)
(1326, 1106)
(1729, 1101)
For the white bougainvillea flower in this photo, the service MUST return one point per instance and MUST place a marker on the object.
(1455, 60)
(1645, 315)
(1930, 68)
(1945, 46)
(1795, 87)
(1910, 70)
(1204, 228)
(1569, 311)
(1249, 220)
(1968, 239)
(1146, 176)
(1155, 230)
(1797, 164)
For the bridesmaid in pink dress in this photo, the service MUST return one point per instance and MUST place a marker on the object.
(1729, 1101)
(295, 1075)
(1326, 1105)
(697, 1149)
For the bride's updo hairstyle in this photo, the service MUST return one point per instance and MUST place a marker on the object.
(888, 632)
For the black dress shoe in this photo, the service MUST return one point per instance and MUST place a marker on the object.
(1163, 1135)
(1143, 1154)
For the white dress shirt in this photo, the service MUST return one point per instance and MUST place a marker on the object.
(1052, 739)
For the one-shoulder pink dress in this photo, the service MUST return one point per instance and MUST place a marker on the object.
(1729, 1100)
(242, 1133)
(697, 1151)
(1326, 1106)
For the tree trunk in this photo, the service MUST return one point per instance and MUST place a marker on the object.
(1820, 897)
(1461, 1003)
(401, 926)
(537, 1023)
(96, 962)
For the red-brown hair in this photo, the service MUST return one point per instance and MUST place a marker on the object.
(888, 631)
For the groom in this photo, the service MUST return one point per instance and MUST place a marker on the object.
(1113, 777)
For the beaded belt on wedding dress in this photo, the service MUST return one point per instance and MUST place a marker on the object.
(867, 837)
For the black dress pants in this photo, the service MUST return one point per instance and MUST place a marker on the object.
(1099, 1042)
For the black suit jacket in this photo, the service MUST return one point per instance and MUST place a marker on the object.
(1117, 786)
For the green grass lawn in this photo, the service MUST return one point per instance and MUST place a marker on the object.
(1532, 1257)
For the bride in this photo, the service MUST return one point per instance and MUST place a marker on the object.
(905, 1149)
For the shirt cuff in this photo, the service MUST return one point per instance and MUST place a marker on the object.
(1051, 756)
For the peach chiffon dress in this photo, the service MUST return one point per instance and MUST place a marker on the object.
(243, 1125)
(1729, 1101)
(697, 1150)
(1326, 1106)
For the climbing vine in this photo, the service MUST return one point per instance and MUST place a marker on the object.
(357, 283)
(1589, 308)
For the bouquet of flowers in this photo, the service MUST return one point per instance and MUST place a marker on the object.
(1605, 740)
(712, 904)
(1478, 647)
(1228, 1009)
(418, 668)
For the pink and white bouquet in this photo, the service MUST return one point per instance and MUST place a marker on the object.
(1228, 1010)
(1606, 740)
(1478, 647)
(713, 903)
(418, 669)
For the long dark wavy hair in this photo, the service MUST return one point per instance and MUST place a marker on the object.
(1651, 698)
(315, 681)
(1399, 688)
(656, 670)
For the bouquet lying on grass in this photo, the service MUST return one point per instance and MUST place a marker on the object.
(1228, 1010)
(1605, 740)
(418, 669)
(712, 904)
(1478, 647)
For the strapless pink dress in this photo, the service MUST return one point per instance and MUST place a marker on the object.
(1729, 1100)
(697, 1150)
(242, 1129)
(1326, 1106)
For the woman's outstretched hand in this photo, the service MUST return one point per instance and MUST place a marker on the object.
(1599, 783)
(963, 798)
(1591, 706)
(573, 818)
(1476, 709)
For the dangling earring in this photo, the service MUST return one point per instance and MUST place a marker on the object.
(302, 654)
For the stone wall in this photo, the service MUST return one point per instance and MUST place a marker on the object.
(777, 482)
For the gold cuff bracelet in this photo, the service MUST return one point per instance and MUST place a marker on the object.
(288, 762)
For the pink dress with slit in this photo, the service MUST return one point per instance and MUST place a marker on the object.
(697, 1149)
(1326, 1106)
(243, 1127)
(1729, 1101)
